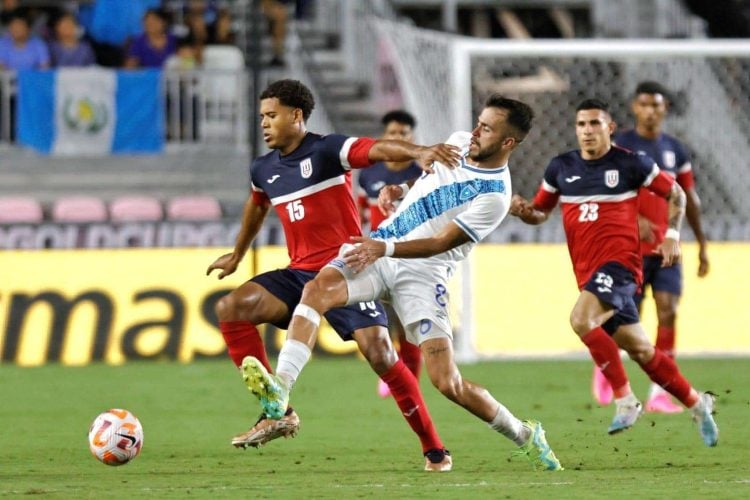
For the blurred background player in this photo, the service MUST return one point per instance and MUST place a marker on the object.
(649, 106)
(597, 187)
(306, 179)
(397, 125)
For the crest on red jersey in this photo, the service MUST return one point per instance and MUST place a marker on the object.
(612, 178)
(305, 168)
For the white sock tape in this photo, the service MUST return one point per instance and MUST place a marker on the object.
(390, 247)
(308, 313)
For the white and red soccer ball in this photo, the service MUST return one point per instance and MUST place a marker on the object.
(115, 437)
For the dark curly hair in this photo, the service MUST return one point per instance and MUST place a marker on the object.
(651, 88)
(292, 93)
(399, 116)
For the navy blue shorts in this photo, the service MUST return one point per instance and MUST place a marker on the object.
(660, 279)
(614, 284)
(287, 285)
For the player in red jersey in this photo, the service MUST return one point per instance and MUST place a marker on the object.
(649, 106)
(597, 188)
(398, 125)
(307, 179)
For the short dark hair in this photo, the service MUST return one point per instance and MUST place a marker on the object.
(652, 88)
(520, 114)
(593, 104)
(17, 14)
(292, 93)
(399, 116)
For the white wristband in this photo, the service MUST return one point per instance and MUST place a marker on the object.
(404, 190)
(672, 234)
(390, 247)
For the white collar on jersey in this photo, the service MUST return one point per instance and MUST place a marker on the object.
(482, 170)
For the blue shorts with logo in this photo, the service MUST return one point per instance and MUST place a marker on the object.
(287, 285)
(660, 279)
(614, 284)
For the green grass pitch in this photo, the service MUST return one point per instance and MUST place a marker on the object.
(352, 443)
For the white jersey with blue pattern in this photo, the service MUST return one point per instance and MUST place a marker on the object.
(476, 199)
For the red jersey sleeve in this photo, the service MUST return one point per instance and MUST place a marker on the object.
(686, 179)
(661, 184)
(355, 152)
(546, 197)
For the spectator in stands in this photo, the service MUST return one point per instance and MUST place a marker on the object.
(155, 45)
(7, 7)
(206, 27)
(223, 32)
(111, 24)
(18, 49)
(186, 57)
(277, 14)
(68, 49)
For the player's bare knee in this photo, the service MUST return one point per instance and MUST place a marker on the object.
(666, 316)
(314, 295)
(449, 386)
(226, 308)
(640, 352)
(379, 353)
(581, 323)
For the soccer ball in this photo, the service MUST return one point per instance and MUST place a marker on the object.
(115, 437)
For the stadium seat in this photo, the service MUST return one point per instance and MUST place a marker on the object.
(17, 209)
(135, 208)
(79, 209)
(226, 57)
(222, 85)
(193, 208)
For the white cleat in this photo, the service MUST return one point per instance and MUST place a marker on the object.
(703, 415)
(629, 410)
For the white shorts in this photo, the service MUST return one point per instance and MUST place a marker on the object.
(416, 288)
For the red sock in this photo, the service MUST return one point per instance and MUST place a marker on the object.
(664, 371)
(410, 354)
(665, 340)
(405, 390)
(606, 355)
(243, 339)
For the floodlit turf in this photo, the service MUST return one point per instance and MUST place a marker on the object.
(352, 443)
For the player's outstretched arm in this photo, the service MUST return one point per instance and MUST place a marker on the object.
(525, 210)
(253, 216)
(392, 150)
(693, 215)
(368, 250)
(670, 247)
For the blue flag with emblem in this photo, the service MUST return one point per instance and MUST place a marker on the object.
(90, 111)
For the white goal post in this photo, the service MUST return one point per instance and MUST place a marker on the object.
(444, 79)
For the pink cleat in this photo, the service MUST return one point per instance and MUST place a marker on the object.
(600, 388)
(662, 403)
(383, 390)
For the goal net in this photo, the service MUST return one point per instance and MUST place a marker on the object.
(445, 79)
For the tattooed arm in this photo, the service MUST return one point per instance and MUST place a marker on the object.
(670, 247)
